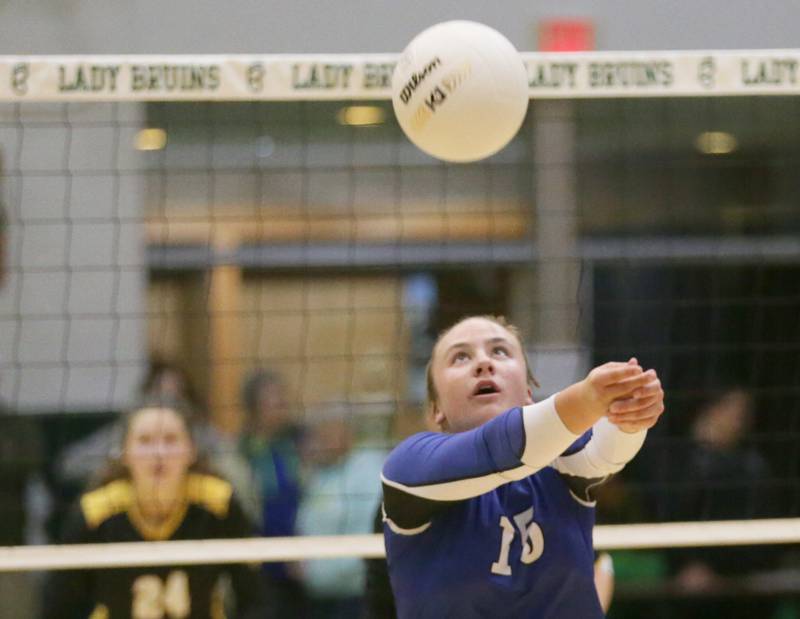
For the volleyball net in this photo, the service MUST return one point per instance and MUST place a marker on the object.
(230, 214)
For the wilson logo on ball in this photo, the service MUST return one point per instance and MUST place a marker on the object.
(417, 79)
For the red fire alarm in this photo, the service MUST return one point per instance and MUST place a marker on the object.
(566, 35)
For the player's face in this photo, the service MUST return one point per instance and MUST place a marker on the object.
(158, 450)
(479, 371)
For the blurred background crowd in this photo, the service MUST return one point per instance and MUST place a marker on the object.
(322, 478)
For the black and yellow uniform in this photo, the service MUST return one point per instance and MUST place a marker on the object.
(110, 514)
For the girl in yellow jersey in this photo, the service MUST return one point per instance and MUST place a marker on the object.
(154, 491)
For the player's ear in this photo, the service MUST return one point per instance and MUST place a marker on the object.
(529, 396)
(438, 416)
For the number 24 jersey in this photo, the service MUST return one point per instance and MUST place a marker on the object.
(109, 514)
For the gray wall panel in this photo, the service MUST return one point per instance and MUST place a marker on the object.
(183, 26)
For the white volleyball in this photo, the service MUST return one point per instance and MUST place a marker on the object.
(460, 91)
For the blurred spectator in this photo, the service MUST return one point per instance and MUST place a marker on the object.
(724, 477)
(164, 382)
(167, 381)
(169, 384)
(341, 489)
(155, 489)
(271, 445)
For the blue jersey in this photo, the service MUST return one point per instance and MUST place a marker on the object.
(475, 528)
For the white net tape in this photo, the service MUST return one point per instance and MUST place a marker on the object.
(368, 76)
(198, 552)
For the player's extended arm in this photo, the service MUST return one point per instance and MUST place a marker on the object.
(429, 470)
(454, 467)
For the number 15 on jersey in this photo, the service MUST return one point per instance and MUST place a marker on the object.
(532, 541)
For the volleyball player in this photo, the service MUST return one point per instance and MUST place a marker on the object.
(493, 516)
(154, 491)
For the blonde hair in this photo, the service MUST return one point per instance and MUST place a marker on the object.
(432, 395)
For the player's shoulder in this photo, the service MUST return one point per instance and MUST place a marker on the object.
(210, 493)
(405, 456)
(105, 502)
(419, 442)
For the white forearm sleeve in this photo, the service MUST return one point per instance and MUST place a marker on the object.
(613, 447)
(546, 436)
(607, 452)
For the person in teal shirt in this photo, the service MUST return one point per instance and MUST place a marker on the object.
(340, 494)
(271, 445)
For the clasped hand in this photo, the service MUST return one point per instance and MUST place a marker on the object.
(632, 398)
